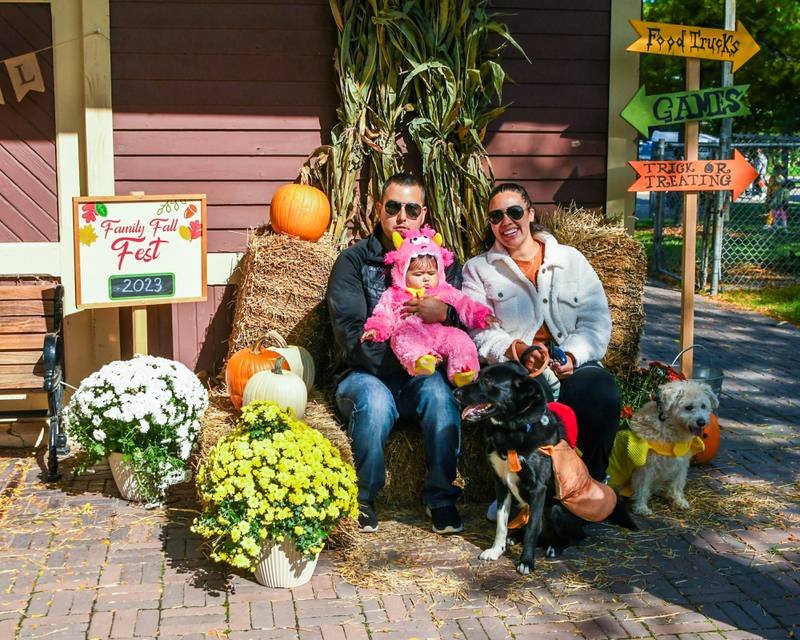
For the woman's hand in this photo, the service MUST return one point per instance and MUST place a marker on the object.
(564, 370)
(429, 309)
(368, 336)
(534, 360)
(531, 359)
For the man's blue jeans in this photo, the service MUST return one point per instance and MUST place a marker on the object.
(372, 405)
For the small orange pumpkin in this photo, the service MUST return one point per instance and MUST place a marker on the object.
(246, 362)
(300, 210)
(710, 437)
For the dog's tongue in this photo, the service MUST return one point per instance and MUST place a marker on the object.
(474, 409)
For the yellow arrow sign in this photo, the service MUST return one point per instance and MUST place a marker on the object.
(694, 42)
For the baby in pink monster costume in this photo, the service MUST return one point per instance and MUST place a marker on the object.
(418, 265)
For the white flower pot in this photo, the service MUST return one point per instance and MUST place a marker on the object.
(282, 565)
(123, 476)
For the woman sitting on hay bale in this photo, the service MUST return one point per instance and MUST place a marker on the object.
(546, 294)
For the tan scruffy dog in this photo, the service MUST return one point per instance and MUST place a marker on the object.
(654, 456)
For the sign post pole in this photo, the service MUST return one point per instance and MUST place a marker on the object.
(140, 330)
(139, 317)
(691, 141)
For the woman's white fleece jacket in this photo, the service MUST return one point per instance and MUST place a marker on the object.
(569, 299)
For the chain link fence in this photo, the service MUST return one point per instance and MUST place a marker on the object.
(760, 232)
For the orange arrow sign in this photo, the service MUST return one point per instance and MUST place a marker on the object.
(694, 42)
(694, 175)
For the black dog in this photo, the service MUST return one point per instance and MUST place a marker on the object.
(513, 409)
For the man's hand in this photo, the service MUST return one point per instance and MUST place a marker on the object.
(564, 370)
(429, 309)
(368, 336)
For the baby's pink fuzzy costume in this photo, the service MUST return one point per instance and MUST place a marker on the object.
(410, 337)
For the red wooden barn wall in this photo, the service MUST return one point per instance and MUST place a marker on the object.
(227, 98)
(28, 205)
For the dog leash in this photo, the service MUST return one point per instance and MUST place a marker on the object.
(536, 346)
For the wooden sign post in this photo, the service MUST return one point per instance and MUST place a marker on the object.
(138, 250)
(692, 140)
(694, 42)
(644, 111)
(690, 175)
(698, 175)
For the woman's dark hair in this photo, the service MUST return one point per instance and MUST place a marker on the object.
(514, 187)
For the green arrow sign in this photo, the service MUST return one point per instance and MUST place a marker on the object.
(645, 111)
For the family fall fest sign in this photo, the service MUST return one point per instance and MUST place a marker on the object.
(139, 248)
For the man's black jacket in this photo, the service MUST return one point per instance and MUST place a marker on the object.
(357, 281)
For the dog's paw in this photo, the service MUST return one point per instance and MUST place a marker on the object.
(550, 552)
(641, 509)
(492, 553)
(680, 502)
(524, 567)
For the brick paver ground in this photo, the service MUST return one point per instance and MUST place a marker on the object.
(78, 562)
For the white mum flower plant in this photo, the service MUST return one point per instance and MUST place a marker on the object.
(147, 409)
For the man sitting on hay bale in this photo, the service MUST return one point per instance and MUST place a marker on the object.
(374, 390)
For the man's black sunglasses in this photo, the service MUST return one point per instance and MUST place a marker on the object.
(413, 210)
(515, 212)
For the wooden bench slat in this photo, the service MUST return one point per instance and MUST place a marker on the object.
(21, 381)
(20, 357)
(33, 368)
(26, 324)
(22, 341)
(28, 292)
(26, 308)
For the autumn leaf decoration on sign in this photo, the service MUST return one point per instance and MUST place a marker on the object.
(87, 235)
(195, 228)
(192, 232)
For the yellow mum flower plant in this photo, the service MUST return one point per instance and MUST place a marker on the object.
(274, 477)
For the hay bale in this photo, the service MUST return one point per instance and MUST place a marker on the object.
(217, 422)
(621, 265)
(405, 467)
(282, 288)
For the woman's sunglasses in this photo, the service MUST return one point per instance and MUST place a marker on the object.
(515, 212)
(413, 210)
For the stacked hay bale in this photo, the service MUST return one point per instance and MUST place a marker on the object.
(283, 288)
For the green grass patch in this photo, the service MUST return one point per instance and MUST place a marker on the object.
(781, 303)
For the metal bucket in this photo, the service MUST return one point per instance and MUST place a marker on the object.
(712, 376)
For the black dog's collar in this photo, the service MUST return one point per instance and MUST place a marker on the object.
(544, 421)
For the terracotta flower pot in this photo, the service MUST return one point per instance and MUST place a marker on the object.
(123, 476)
(282, 565)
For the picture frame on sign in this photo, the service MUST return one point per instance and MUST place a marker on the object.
(139, 250)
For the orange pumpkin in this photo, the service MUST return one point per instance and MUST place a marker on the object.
(711, 439)
(246, 362)
(300, 210)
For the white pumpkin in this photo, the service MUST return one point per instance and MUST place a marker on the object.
(299, 359)
(282, 387)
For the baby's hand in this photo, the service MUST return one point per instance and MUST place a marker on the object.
(368, 336)
(492, 321)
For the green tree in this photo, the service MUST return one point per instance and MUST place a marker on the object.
(773, 73)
